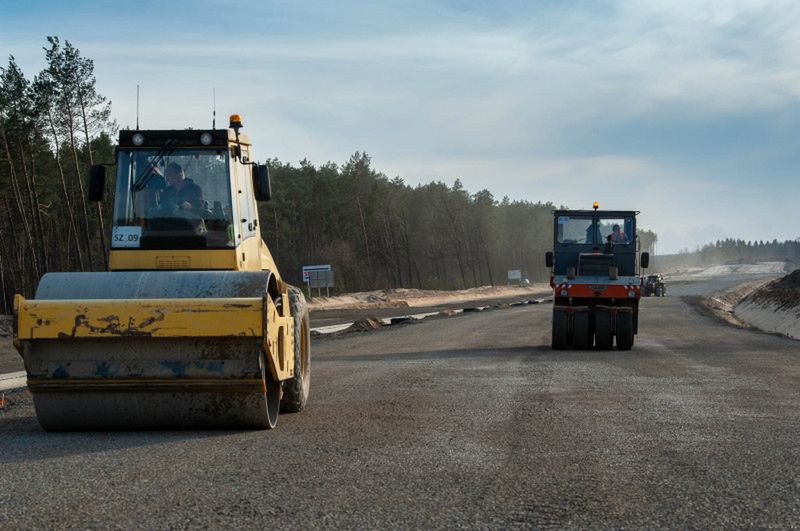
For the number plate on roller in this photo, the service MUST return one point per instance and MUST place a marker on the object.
(126, 236)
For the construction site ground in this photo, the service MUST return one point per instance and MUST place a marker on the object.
(471, 421)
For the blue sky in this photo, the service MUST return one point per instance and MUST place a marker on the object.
(686, 111)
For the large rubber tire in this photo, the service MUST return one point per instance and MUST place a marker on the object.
(603, 338)
(658, 292)
(581, 337)
(296, 388)
(624, 331)
(559, 341)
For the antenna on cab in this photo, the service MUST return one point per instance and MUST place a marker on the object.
(137, 106)
(214, 107)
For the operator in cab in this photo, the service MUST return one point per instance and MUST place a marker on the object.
(617, 236)
(189, 195)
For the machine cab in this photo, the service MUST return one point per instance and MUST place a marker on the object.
(192, 193)
(589, 242)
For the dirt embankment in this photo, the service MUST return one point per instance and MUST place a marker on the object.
(416, 298)
(774, 307)
(723, 303)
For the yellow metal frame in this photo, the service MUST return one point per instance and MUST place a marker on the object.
(162, 318)
(140, 259)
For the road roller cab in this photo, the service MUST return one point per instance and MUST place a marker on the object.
(596, 280)
(193, 325)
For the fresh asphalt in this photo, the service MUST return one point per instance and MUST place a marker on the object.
(470, 421)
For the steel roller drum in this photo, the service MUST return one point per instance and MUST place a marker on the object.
(150, 382)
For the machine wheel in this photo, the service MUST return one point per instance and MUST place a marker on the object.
(602, 330)
(658, 292)
(624, 331)
(295, 389)
(663, 292)
(581, 337)
(559, 330)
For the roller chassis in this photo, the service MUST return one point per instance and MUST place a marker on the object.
(597, 315)
(187, 329)
(596, 284)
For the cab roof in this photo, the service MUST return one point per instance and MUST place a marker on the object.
(156, 138)
(604, 213)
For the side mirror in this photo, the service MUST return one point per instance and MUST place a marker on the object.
(645, 261)
(261, 185)
(97, 182)
(548, 259)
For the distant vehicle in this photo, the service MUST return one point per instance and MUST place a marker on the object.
(524, 282)
(654, 286)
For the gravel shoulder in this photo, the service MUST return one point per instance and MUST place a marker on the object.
(324, 315)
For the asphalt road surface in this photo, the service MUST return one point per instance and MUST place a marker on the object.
(470, 421)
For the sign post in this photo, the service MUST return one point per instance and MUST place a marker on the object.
(318, 276)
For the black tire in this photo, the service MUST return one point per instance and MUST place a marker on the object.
(624, 331)
(603, 338)
(559, 340)
(296, 388)
(581, 336)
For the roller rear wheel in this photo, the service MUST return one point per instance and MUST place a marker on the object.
(581, 337)
(603, 338)
(624, 331)
(296, 388)
(559, 340)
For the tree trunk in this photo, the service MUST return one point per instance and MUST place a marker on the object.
(70, 210)
(364, 230)
(18, 203)
(103, 249)
(33, 199)
(86, 230)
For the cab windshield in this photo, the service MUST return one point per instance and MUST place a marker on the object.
(591, 231)
(172, 199)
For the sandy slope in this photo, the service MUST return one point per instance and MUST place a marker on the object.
(774, 307)
(415, 298)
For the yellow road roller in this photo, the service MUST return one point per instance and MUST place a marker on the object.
(192, 327)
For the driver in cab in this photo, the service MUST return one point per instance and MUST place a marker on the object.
(189, 195)
(617, 236)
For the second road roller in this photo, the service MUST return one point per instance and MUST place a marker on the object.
(192, 326)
